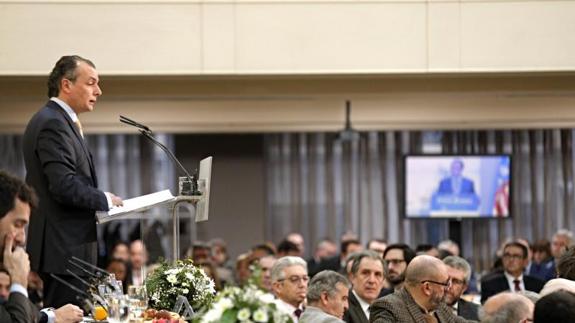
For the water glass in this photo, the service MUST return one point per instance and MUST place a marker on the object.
(138, 300)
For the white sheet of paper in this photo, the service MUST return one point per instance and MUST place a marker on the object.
(136, 204)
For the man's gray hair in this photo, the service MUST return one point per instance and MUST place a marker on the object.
(277, 272)
(512, 311)
(459, 263)
(565, 233)
(325, 281)
(370, 254)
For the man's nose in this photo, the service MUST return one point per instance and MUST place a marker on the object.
(20, 238)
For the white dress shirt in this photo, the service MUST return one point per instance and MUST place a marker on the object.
(364, 305)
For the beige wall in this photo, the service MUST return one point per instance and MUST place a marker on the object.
(273, 104)
(247, 37)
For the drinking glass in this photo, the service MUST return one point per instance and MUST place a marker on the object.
(138, 300)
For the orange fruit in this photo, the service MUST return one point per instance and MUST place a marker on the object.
(99, 313)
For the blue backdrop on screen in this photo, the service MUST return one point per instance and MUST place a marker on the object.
(457, 186)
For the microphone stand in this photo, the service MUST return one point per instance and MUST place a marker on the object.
(188, 185)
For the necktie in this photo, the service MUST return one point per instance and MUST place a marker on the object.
(79, 125)
(297, 312)
(517, 283)
(430, 318)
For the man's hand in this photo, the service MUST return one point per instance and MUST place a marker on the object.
(116, 200)
(68, 314)
(16, 261)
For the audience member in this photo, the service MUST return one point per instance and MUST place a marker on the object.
(266, 265)
(298, 240)
(138, 260)
(427, 249)
(377, 245)
(243, 272)
(210, 269)
(220, 258)
(451, 246)
(542, 264)
(120, 269)
(421, 299)
(566, 264)
(512, 279)
(263, 249)
(326, 248)
(396, 258)
(366, 277)
(532, 296)
(459, 271)
(507, 307)
(558, 284)
(555, 307)
(288, 248)
(4, 286)
(337, 263)
(121, 250)
(289, 283)
(326, 298)
(17, 200)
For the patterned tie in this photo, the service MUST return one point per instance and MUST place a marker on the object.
(297, 312)
(79, 125)
(517, 283)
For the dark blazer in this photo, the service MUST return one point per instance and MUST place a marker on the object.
(354, 313)
(498, 283)
(400, 307)
(316, 315)
(468, 310)
(60, 168)
(18, 309)
(445, 186)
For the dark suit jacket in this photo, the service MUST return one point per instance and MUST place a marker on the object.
(354, 313)
(468, 310)
(498, 283)
(445, 186)
(18, 309)
(400, 307)
(60, 168)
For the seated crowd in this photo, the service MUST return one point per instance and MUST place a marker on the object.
(355, 283)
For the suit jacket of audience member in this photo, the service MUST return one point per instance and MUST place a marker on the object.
(332, 263)
(18, 309)
(316, 315)
(313, 266)
(498, 283)
(468, 310)
(544, 271)
(354, 313)
(401, 307)
(60, 168)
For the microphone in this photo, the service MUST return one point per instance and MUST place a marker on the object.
(189, 187)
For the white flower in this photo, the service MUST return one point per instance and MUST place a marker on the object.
(226, 303)
(189, 276)
(172, 279)
(244, 314)
(261, 316)
(185, 291)
(266, 298)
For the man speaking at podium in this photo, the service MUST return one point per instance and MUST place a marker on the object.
(60, 168)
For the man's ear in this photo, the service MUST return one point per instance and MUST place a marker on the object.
(324, 298)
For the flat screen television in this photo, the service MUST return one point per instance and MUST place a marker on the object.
(457, 186)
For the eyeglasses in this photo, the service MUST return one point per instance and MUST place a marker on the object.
(447, 284)
(512, 256)
(295, 279)
(393, 261)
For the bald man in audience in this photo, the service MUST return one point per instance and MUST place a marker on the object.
(422, 297)
(507, 307)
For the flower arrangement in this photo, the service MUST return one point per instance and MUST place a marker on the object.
(169, 281)
(243, 305)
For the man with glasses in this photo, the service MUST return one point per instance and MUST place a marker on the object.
(422, 297)
(396, 258)
(366, 276)
(513, 278)
(289, 283)
(459, 271)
